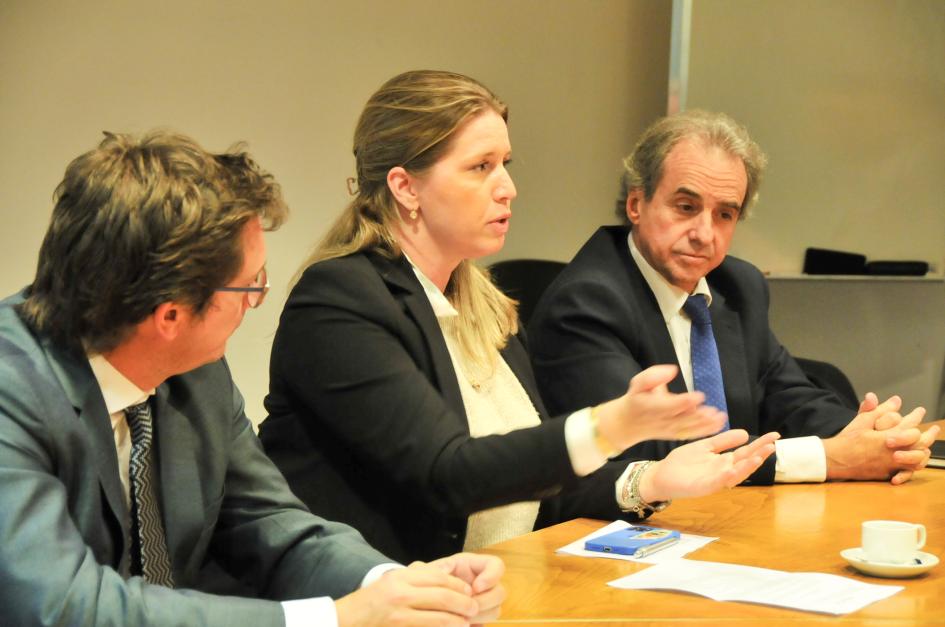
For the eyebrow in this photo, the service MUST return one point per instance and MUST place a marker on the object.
(489, 154)
(688, 192)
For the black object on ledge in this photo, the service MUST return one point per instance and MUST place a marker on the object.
(824, 261)
(898, 268)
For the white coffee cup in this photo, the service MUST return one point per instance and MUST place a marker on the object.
(892, 541)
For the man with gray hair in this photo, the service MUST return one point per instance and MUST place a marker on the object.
(664, 291)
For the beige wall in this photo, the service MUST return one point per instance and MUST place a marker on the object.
(583, 78)
(847, 97)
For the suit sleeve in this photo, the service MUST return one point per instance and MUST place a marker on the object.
(593, 496)
(346, 354)
(263, 530)
(48, 574)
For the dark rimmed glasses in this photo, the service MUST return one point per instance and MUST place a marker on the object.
(255, 292)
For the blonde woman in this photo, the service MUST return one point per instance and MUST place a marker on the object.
(401, 396)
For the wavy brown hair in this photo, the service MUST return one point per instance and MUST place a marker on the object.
(138, 222)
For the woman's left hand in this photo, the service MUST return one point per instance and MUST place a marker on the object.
(701, 468)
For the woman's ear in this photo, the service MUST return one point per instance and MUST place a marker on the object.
(403, 186)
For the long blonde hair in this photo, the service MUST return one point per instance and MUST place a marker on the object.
(409, 122)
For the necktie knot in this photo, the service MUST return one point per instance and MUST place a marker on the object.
(135, 413)
(139, 423)
(697, 309)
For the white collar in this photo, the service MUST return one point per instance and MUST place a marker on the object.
(669, 297)
(117, 390)
(442, 308)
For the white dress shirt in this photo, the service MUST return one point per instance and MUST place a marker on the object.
(579, 433)
(120, 393)
(797, 459)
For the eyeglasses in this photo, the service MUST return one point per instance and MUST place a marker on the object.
(255, 293)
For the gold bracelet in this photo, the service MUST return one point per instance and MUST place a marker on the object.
(602, 443)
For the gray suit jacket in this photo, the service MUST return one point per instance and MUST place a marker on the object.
(63, 534)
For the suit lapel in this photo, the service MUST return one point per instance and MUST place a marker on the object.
(177, 452)
(727, 328)
(516, 357)
(82, 390)
(652, 330)
(404, 286)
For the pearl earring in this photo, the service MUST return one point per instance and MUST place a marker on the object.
(413, 214)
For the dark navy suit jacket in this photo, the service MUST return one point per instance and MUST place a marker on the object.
(598, 324)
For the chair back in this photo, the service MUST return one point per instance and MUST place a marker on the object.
(525, 280)
(828, 377)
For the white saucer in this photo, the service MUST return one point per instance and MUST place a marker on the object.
(920, 563)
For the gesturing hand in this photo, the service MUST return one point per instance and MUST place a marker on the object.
(649, 411)
(701, 467)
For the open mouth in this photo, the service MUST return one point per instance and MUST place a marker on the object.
(501, 225)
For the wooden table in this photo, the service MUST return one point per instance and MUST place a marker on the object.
(786, 527)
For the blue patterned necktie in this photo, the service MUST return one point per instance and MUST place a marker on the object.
(706, 368)
(146, 511)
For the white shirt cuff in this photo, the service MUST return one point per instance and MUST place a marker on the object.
(585, 456)
(375, 573)
(305, 612)
(321, 610)
(800, 460)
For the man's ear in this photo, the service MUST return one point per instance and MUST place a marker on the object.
(168, 319)
(634, 199)
(402, 186)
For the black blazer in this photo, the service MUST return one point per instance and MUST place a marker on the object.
(367, 423)
(598, 324)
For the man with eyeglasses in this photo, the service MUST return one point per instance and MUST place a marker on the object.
(129, 474)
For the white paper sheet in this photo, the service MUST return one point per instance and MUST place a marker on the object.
(687, 544)
(813, 592)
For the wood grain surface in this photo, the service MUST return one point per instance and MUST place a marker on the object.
(787, 527)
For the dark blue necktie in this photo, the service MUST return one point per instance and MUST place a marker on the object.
(706, 368)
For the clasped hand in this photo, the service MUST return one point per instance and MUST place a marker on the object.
(880, 443)
(459, 590)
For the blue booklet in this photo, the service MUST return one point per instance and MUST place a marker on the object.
(635, 541)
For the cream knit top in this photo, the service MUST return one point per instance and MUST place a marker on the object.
(495, 403)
